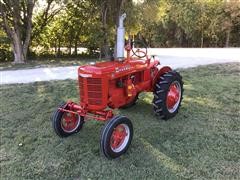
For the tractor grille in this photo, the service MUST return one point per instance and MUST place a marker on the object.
(94, 86)
(91, 88)
(81, 88)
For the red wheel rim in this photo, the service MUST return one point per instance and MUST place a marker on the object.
(70, 122)
(173, 96)
(119, 137)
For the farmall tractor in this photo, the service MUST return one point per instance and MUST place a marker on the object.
(105, 86)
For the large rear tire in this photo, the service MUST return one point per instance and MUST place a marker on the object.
(66, 124)
(116, 137)
(168, 95)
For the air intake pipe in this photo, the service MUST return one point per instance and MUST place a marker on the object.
(120, 38)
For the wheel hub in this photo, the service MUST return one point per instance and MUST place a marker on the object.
(118, 137)
(173, 96)
(70, 122)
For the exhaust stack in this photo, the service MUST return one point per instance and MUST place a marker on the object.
(121, 38)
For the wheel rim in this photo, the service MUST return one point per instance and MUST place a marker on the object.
(70, 122)
(173, 96)
(119, 137)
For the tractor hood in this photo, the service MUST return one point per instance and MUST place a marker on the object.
(111, 68)
(97, 69)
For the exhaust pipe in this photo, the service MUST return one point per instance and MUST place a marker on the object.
(121, 38)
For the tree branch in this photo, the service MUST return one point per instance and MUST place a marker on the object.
(4, 22)
(45, 18)
(30, 5)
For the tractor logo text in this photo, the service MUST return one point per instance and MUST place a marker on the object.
(121, 69)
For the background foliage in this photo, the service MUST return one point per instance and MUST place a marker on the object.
(60, 28)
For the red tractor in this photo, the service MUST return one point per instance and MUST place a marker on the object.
(114, 84)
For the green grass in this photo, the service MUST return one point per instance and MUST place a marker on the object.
(201, 142)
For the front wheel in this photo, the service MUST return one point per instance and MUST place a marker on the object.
(116, 137)
(168, 95)
(65, 123)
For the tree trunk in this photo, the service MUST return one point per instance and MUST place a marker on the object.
(202, 40)
(18, 51)
(55, 47)
(105, 48)
(181, 38)
(227, 38)
(75, 47)
(70, 47)
(19, 32)
(59, 47)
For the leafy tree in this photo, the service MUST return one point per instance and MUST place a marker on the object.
(93, 24)
(231, 21)
(16, 20)
(72, 27)
(190, 22)
(45, 15)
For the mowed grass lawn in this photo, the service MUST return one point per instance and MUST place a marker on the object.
(201, 142)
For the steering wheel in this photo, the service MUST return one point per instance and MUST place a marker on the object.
(138, 51)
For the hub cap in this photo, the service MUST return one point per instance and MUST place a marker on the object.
(119, 137)
(173, 96)
(70, 122)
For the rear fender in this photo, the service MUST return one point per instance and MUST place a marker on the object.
(161, 70)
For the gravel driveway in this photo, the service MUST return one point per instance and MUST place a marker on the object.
(174, 57)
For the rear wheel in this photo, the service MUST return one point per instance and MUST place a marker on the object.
(116, 137)
(65, 123)
(168, 95)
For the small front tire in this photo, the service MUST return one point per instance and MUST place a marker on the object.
(116, 137)
(65, 123)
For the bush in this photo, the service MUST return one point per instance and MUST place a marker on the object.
(5, 55)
